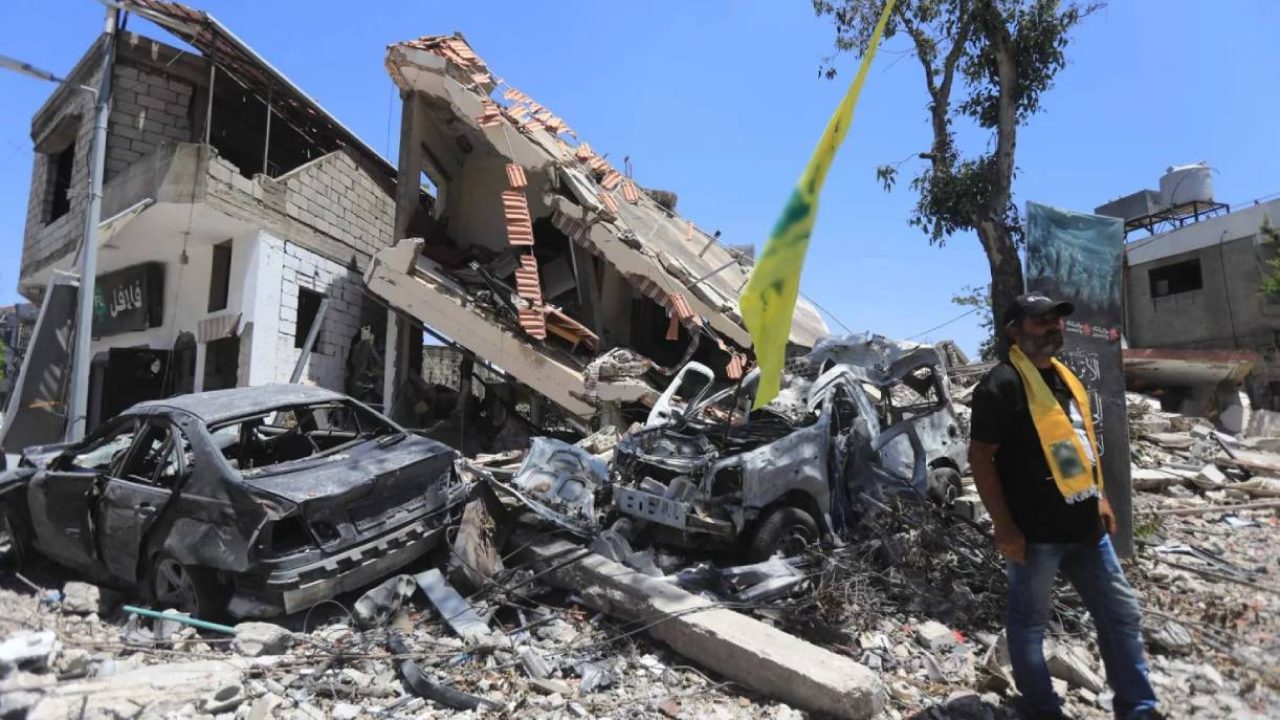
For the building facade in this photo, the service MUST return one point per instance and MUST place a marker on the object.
(236, 215)
(1199, 287)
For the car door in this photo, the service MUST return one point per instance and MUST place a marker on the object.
(60, 498)
(136, 494)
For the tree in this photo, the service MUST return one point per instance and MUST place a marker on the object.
(989, 61)
(1271, 278)
(979, 298)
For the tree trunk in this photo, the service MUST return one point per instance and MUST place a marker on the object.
(1006, 276)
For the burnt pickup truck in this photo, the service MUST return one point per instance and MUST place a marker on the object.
(857, 415)
(253, 501)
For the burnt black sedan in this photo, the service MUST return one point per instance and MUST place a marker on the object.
(252, 502)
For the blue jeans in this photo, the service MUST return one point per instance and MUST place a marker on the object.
(1095, 572)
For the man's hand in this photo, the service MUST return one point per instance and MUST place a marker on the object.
(1011, 543)
(1107, 514)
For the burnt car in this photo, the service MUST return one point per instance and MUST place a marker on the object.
(253, 501)
(858, 415)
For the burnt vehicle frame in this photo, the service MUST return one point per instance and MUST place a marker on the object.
(257, 501)
(861, 415)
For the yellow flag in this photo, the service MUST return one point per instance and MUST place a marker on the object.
(769, 299)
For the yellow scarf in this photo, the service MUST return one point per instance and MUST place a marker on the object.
(1075, 471)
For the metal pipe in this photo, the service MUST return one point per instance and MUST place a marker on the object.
(310, 342)
(79, 399)
(183, 619)
(266, 143)
(208, 110)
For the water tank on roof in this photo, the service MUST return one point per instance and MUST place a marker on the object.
(1187, 184)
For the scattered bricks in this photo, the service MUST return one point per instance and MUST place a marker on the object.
(935, 637)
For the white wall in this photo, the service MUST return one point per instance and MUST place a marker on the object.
(1224, 228)
(281, 268)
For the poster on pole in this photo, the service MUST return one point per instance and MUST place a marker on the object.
(1079, 257)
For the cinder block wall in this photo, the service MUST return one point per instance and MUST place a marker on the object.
(305, 269)
(148, 109)
(43, 241)
(336, 196)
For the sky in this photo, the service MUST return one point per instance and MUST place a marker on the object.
(722, 102)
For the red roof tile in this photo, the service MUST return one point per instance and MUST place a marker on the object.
(515, 176)
(629, 192)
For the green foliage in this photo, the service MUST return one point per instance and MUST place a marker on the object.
(980, 298)
(1271, 279)
(989, 63)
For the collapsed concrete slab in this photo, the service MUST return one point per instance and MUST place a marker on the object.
(734, 645)
(129, 693)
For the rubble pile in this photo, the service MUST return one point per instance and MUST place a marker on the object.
(557, 602)
(539, 660)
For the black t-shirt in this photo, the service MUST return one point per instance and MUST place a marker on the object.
(1002, 417)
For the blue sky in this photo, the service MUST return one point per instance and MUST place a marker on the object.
(722, 102)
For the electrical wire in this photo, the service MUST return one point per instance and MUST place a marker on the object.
(952, 320)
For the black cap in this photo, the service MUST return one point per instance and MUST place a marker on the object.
(1035, 305)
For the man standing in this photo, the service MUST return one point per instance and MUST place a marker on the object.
(1034, 459)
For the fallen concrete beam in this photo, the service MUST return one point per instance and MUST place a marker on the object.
(729, 643)
(130, 692)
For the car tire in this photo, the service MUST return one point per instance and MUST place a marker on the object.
(787, 529)
(15, 537)
(945, 485)
(191, 590)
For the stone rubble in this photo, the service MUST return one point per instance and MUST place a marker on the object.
(915, 594)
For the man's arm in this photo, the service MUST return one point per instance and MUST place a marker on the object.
(1009, 539)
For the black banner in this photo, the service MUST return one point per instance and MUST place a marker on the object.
(1079, 258)
(129, 299)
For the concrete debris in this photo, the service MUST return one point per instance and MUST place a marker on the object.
(935, 637)
(766, 659)
(258, 638)
(900, 613)
(454, 610)
(1169, 637)
(29, 650)
(82, 598)
(375, 608)
(1074, 667)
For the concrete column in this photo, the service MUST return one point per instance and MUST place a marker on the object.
(584, 267)
(409, 180)
(390, 362)
(202, 351)
(615, 308)
(260, 304)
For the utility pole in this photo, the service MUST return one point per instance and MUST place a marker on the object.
(77, 416)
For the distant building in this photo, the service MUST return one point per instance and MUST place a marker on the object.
(1194, 284)
(233, 207)
(16, 325)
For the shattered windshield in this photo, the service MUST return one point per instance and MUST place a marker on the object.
(298, 432)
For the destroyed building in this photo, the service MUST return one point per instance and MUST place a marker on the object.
(540, 256)
(237, 213)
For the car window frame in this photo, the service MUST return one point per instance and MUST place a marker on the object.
(269, 413)
(171, 431)
(66, 462)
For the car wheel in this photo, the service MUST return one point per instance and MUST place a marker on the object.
(945, 485)
(191, 590)
(788, 531)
